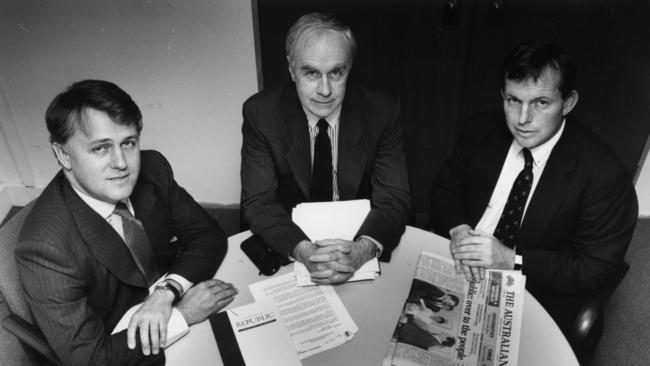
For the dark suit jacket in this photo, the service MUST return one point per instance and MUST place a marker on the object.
(431, 295)
(276, 167)
(80, 277)
(579, 221)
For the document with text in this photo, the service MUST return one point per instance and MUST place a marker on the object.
(314, 316)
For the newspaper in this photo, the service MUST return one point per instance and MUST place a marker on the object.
(447, 320)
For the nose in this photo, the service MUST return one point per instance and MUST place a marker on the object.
(118, 160)
(525, 114)
(324, 87)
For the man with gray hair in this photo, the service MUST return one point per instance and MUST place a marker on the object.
(323, 139)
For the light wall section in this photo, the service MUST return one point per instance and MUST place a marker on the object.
(643, 189)
(189, 65)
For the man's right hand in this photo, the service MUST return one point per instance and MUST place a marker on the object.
(204, 299)
(457, 234)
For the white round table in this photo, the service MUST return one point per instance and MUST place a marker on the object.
(375, 306)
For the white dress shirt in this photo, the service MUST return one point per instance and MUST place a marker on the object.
(333, 133)
(513, 164)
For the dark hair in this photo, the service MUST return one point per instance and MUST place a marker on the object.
(530, 60)
(449, 341)
(65, 111)
(318, 23)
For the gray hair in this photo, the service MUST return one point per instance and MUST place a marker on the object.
(318, 23)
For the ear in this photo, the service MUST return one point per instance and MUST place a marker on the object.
(569, 102)
(62, 156)
(293, 77)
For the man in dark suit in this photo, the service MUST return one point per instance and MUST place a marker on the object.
(432, 296)
(322, 140)
(538, 190)
(100, 235)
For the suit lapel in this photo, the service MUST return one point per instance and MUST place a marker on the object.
(103, 241)
(490, 153)
(297, 135)
(551, 189)
(352, 157)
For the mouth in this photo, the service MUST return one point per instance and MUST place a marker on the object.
(119, 179)
(525, 132)
(322, 102)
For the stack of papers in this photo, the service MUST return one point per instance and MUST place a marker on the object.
(332, 220)
(314, 316)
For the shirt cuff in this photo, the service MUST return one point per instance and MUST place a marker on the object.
(185, 284)
(380, 248)
(177, 327)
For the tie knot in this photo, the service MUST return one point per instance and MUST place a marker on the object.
(122, 210)
(322, 125)
(528, 158)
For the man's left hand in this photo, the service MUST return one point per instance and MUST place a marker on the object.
(484, 250)
(151, 320)
(348, 257)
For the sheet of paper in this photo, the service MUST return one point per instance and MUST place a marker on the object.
(332, 220)
(369, 271)
(261, 336)
(314, 316)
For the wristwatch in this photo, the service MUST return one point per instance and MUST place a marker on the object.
(166, 285)
(518, 262)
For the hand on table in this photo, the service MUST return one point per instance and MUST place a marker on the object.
(471, 273)
(334, 261)
(151, 321)
(483, 250)
(204, 299)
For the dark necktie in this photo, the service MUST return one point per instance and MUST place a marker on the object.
(321, 173)
(138, 243)
(510, 221)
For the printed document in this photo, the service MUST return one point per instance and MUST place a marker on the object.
(314, 316)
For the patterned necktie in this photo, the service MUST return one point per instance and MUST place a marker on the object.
(138, 243)
(321, 174)
(510, 221)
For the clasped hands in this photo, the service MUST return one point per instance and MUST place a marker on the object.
(475, 250)
(333, 261)
(199, 302)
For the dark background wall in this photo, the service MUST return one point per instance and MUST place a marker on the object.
(442, 58)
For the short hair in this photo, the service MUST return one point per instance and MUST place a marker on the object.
(530, 60)
(318, 23)
(64, 113)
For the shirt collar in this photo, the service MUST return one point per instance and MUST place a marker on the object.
(104, 209)
(332, 119)
(542, 152)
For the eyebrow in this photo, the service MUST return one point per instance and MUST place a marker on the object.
(308, 67)
(105, 140)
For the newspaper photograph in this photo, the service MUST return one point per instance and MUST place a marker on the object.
(447, 320)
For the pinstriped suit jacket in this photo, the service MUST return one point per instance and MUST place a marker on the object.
(79, 276)
(276, 166)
